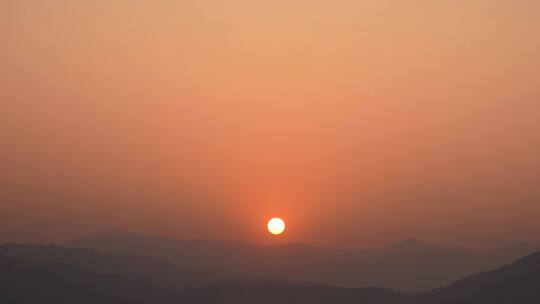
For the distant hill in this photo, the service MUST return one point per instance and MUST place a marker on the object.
(143, 268)
(31, 282)
(408, 266)
(515, 283)
(25, 281)
(49, 274)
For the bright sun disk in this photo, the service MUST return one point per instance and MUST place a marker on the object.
(276, 225)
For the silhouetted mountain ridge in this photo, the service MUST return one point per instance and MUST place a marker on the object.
(515, 283)
(41, 277)
(410, 265)
(35, 280)
(138, 267)
(30, 282)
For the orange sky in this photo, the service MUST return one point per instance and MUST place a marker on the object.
(359, 122)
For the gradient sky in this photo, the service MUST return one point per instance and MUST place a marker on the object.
(358, 122)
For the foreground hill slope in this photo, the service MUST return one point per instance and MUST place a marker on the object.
(515, 283)
(410, 266)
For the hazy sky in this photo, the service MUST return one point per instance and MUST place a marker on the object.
(358, 122)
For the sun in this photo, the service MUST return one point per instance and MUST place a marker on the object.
(276, 225)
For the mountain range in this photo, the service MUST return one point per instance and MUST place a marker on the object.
(409, 266)
(31, 273)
